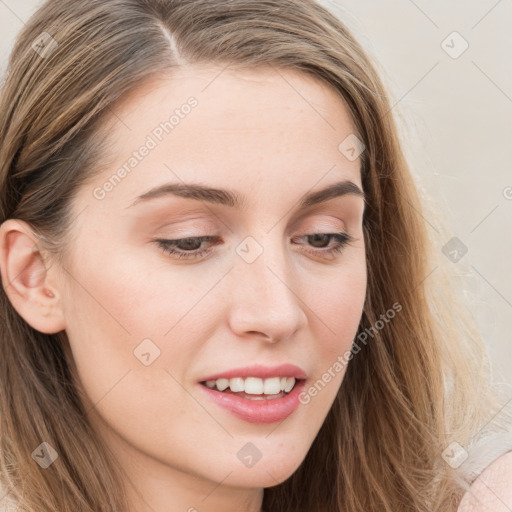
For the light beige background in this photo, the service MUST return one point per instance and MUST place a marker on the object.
(456, 112)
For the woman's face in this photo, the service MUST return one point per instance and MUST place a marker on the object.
(146, 327)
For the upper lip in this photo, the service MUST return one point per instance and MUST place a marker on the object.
(261, 371)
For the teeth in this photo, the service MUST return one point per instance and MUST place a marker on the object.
(236, 384)
(289, 384)
(254, 385)
(222, 384)
(271, 386)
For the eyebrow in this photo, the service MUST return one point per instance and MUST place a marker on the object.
(232, 199)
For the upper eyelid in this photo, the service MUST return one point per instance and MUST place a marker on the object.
(196, 209)
(207, 224)
(301, 233)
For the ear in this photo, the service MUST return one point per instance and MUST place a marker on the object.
(26, 279)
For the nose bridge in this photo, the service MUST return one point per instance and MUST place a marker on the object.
(263, 295)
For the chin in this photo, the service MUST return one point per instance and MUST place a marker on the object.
(271, 472)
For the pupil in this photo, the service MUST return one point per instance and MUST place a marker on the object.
(318, 237)
(189, 243)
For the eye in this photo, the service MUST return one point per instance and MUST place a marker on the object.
(189, 245)
(342, 239)
(190, 248)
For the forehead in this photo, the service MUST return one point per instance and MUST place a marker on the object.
(229, 88)
(266, 130)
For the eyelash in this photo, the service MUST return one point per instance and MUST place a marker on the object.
(344, 239)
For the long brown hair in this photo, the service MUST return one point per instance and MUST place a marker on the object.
(413, 387)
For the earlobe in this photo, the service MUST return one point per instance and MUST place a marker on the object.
(26, 279)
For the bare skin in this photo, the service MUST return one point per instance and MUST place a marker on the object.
(254, 133)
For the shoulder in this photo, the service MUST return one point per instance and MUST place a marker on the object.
(492, 490)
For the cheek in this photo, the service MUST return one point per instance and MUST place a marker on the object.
(107, 316)
(336, 310)
(125, 306)
(131, 294)
(115, 318)
(339, 301)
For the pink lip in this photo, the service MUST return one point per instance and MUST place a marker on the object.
(258, 411)
(263, 372)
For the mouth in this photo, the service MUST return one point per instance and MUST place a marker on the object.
(254, 388)
(254, 401)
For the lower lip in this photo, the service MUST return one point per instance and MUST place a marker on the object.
(258, 411)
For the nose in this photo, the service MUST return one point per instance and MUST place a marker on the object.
(265, 300)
